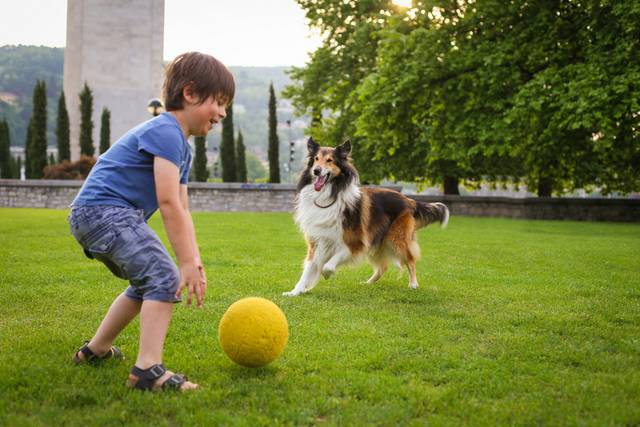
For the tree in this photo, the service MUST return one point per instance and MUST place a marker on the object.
(227, 150)
(17, 168)
(27, 148)
(487, 91)
(62, 130)
(255, 169)
(86, 122)
(105, 130)
(36, 149)
(6, 171)
(274, 142)
(351, 35)
(200, 161)
(241, 163)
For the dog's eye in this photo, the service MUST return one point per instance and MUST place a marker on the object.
(317, 158)
(329, 160)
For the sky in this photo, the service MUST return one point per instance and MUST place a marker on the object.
(237, 32)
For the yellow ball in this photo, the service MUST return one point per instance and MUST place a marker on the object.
(253, 332)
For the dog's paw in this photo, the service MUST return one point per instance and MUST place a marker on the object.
(413, 285)
(292, 293)
(327, 272)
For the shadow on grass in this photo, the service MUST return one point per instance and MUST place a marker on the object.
(237, 372)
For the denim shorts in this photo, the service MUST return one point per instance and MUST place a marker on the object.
(120, 238)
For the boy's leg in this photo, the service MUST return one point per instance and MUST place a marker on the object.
(122, 311)
(154, 323)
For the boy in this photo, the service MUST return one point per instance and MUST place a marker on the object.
(145, 170)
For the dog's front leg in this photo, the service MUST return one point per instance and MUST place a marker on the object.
(342, 255)
(310, 272)
(310, 276)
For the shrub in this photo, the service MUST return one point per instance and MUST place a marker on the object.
(70, 170)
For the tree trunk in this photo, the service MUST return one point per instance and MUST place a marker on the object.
(451, 185)
(545, 186)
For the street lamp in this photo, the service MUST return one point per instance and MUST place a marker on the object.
(292, 148)
(155, 107)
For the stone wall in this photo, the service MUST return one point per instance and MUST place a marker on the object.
(280, 198)
(576, 209)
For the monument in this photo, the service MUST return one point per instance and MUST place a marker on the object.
(116, 47)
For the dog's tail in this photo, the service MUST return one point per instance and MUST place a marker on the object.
(428, 213)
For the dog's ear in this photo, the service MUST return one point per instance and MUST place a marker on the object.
(312, 146)
(343, 150)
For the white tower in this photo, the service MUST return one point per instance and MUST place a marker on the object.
(116, 47)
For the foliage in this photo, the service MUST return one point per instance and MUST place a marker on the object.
(516, 322)
(241, 163)
(62, 130)
(520, 91)
(227, 149)
(256, 171)
(201, 173)
(274, 141)
(6, 171)
(326, 84)
(86, 122)
(36, 149)
(70, 170)
(20, 67)
(105, 130)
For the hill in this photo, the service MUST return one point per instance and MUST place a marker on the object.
(21, 66)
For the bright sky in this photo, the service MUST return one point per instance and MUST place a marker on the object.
(238, 32)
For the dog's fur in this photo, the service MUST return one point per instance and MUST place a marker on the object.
(343, 222)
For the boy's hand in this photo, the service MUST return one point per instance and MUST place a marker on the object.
(193, 278)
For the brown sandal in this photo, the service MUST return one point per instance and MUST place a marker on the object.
(145, 379)
(90, 357)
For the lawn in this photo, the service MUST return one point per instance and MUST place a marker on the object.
(515, 322)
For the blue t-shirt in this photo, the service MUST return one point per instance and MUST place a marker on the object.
(123, 175)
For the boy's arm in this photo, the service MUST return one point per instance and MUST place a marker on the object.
(184, 200)
(177, 223)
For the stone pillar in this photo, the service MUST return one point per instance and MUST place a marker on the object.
(116, 47)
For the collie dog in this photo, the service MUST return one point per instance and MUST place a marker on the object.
(343, 222)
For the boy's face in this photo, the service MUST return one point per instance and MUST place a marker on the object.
(202, 117)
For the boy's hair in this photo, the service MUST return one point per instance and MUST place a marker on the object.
(206, 75)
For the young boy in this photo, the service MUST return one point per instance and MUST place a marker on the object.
(145, 170)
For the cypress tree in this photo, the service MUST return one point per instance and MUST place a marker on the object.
(62, 130)
(52, 159)
(227, 151)
(241, 163)
(37, 150)
(27, 148)
(105, 130)
(200, 161)
(86, 122)
(274, 142)
(6, 171)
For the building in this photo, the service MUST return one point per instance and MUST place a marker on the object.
(116, 47)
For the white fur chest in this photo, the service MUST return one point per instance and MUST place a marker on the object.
(323, 223)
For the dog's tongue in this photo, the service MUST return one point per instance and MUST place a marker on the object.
(320, 181)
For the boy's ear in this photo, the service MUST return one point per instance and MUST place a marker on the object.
(343, 150)
(188, 95)
(312, 146)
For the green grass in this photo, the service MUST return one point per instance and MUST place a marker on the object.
(516, 322)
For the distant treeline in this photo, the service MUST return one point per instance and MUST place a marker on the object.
(22, 66)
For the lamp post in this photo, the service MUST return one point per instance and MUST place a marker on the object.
(155, 107)
(291, 148)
